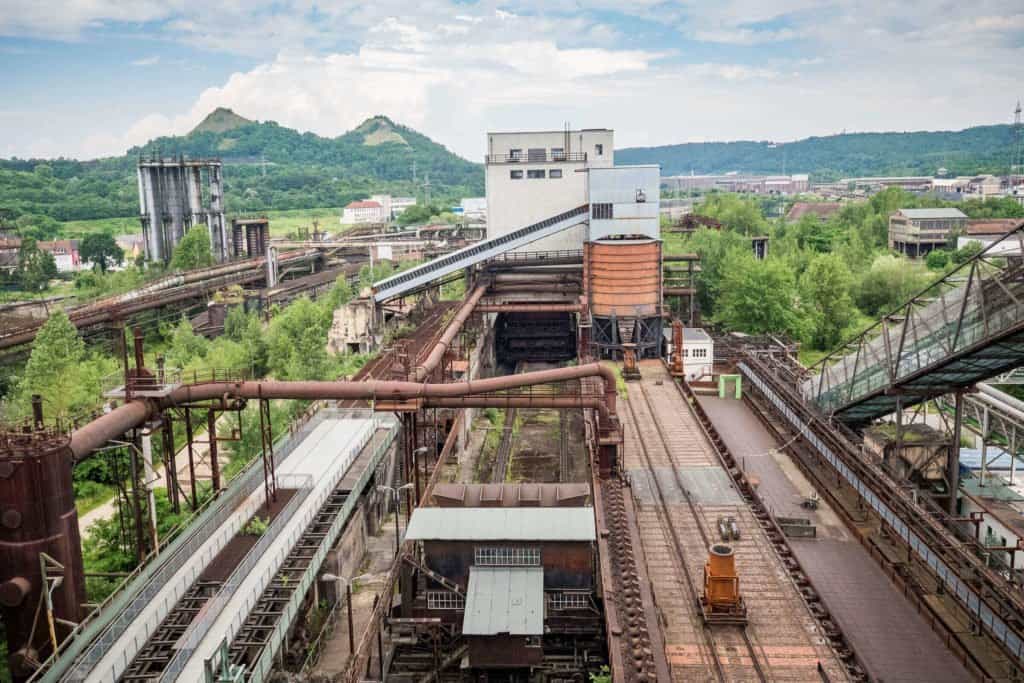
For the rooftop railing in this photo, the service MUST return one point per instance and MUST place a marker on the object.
(535, 158)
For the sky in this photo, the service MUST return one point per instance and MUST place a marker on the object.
(90, 78)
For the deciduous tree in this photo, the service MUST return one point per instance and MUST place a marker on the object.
(101, 250)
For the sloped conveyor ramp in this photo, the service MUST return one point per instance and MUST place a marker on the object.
(414, 278)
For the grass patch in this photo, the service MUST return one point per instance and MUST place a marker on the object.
(89, 495)
(281, 223)
(620, 383)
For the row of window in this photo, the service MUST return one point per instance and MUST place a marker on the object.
(697, 353)
(556, 601)
(517, 174)
(507, 557)
(568, 600)
(540, 153)
(445, 600)
(601, 211)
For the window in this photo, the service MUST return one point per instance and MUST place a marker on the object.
(568, 600)
(555, 173)
(558, 154)
(515, 154)
(445, 600)
(515, 175)
(599, 149)
(507, 557)
(601, 211)
(535, 173)
(536, 154)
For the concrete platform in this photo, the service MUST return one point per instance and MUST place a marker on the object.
(892, 640)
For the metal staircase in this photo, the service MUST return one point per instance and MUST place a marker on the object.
(415, 278)
(965, 328)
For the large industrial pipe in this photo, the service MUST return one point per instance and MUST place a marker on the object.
(529, 308)
(437, 353)
(135, 413)
(497, 401)
(530, 278)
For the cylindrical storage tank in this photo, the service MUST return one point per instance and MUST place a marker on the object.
(37, 515)
(624, 278)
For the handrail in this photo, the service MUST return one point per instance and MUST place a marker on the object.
(264, 664)
(97, 633)
(535, 158)
(197, 630)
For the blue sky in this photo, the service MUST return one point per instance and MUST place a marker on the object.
(87, 78)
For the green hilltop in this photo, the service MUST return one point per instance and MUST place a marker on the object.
(267, 167)
(981, 149)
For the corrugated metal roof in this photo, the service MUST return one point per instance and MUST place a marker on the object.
(504, 600)
(933, 213)
(502, 524)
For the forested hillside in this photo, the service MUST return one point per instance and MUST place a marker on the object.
(982, 149)
(267, 166)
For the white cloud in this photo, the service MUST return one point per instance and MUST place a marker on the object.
(778, 70)
(147, 61)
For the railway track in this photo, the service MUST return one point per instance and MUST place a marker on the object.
(688, 539)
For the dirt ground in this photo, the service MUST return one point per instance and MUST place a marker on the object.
(380, 551)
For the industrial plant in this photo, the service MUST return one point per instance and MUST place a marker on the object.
(649, 498)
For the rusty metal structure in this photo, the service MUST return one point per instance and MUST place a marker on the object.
(173, 198)
(624, 289)
(664, 598)
(37, 520)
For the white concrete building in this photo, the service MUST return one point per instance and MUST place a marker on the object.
(474, 208)
(698, 352)
(531, 176)
(400, 204)
(365, 211)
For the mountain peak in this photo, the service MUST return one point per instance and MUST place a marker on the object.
(378, 130)
(220, 120)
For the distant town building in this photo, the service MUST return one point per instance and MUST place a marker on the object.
(364, 211)
(822, 210)
(132, 245)
(915, 232)
(400, 204)
(734, 182)
(9, 249)
(474, 208)
(65, 254)
(985, 231)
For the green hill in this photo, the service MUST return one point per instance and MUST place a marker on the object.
(267, 166)
(982, 149)
(220, 120)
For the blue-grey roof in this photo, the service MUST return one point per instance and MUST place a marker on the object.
(933, 213)
(504, 600)
(502, 524)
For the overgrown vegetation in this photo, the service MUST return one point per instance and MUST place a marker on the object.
(823, 280)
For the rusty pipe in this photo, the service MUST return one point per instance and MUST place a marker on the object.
(497, 401)
(437, 353)
(529, 308)
(135, 413)
(528, 278)
(561, 287)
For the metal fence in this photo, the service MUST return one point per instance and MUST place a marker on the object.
(103, 629)
(303, 485)
(262, 667)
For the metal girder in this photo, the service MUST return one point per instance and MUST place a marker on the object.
(413, 278)
(965, 328)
